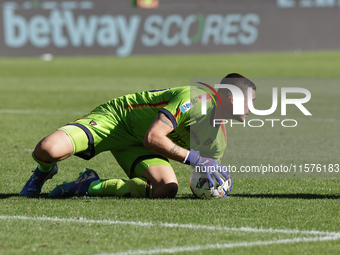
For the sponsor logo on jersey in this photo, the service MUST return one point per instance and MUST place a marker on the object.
(186, 106)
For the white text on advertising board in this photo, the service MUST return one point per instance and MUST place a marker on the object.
(63, 28)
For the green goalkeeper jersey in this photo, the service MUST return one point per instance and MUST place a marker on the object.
(192, 130)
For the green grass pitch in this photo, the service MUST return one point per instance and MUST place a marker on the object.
(261, 216)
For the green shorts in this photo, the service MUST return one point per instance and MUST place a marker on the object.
(92, 135)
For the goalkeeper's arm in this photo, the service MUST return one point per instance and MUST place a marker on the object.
(156, 139)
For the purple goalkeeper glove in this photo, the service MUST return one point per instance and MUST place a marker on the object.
(208, 166)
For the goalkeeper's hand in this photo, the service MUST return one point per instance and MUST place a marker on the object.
(209, 167)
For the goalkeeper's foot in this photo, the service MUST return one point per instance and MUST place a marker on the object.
(38, 178)
(78, 187)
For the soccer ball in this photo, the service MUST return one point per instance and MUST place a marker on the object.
(199, 186)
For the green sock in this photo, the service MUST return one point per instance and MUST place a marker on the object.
(45, 169)
(136, 187)
(96, 188)
(43, 166)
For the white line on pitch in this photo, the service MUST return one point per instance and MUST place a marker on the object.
(173, 225)
(226, 245)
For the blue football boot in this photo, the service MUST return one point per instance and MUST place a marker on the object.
(78, 187)
(38, 178)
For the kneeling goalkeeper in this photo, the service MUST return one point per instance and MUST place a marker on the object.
(142, 131)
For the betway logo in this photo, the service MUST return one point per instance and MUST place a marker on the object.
(62, 28)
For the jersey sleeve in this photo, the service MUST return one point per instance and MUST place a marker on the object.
(178, 108)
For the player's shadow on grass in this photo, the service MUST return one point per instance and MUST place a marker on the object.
(291, 196)
(45, 196)
(9, 195)
(190, 196)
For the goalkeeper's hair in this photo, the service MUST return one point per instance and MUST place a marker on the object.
(239, 81)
